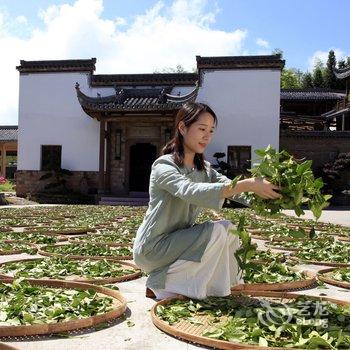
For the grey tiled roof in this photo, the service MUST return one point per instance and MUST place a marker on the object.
(342, 73)
(239, 62)
(150, 79)
(311, 94)
(134, 99)
(8, 133)
(57, 66)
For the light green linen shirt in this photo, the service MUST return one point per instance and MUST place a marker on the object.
(168, 232)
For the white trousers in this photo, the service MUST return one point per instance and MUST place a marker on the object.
(214, 275)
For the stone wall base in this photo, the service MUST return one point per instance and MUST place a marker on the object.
(27, 182)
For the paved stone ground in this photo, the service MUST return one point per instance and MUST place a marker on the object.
(144, 335)
(335, 215)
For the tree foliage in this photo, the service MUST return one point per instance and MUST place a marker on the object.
(321, 76)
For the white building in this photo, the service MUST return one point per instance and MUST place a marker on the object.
(108, 129)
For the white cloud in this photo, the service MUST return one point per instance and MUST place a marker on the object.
(263, 43)
(120, 21)
(163, 36)
(21, 20)
(322, 56)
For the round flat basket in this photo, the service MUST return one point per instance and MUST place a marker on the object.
(315, 262)
(192, 332)
(5, 229)
(125, 265)
(308, 281)
(322, 276)
(59, 238)
(63, 231)
(4, 346)
(17, 250)
(99, 238)
(42, 251)
(291, 249)
(261, 237)
(23, 225)
(118, 308)
(278, 239)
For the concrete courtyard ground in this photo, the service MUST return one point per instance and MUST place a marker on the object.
(141, 334)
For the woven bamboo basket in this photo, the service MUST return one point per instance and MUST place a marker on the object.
(59, 238)
(344, 238)
(308, 281)
(315, 262)
(119, 307)
(278, 238)
(17, 251)
(97, 235)
(63, 231)
(193, 332)
(4, 346)
(281, 247)
(5, 229)
(42, 251)
(125, 265)
(322, 276)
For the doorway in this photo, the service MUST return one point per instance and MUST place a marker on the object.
(142, 155)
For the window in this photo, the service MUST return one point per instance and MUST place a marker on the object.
(239, 158)
(51, 157)
(118, 144)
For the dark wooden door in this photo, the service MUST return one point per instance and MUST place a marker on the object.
(142, 155)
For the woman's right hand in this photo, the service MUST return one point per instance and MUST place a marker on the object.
(264, 188)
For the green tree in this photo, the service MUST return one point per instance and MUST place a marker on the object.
(178, 69)
(318, 74)
(277, 51)
(290, 79)
(307, 81)
(330, 80)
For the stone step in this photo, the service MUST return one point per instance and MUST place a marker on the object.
(138, 194)
(123, 199)
(127, 203)
(132, 201)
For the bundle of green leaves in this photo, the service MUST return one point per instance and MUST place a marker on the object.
(251, 270)
(296, 180)
(303, 323)
(246, 252)
(24, 304)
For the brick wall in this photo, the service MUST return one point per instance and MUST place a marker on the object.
(321, 147)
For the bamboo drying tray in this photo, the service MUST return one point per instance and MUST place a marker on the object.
(119, 307)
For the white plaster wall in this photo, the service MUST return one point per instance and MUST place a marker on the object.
(50, 114)
(247, 104)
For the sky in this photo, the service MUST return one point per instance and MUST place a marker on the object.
(143, 36)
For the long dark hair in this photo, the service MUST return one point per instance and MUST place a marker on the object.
(189, 113)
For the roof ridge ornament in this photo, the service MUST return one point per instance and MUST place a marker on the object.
(120, 97)
(162, 98)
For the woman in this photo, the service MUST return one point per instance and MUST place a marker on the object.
(195, 260)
